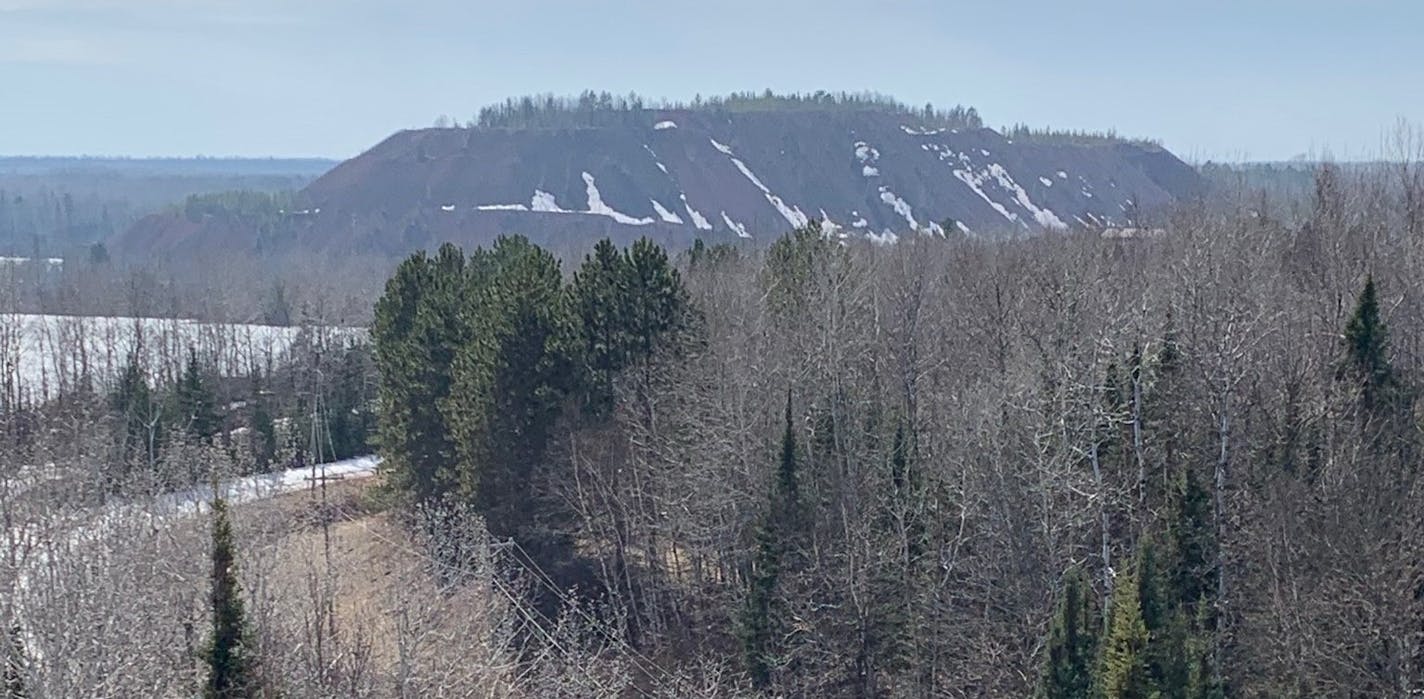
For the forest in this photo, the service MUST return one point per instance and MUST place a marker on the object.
(1060, 466)
(1182, 465)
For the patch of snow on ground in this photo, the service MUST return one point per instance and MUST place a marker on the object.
(664, 125)
(51, 261)
(739, 228)
(885, 237)
(724, 149)
(1046, 182)
(666, 215)
(697, 218)
(1044, 217)
(1086, 193)
(544, 201)
(859, 221)
(983, 152)
(792, 214)
(963, 228)
(1062, 175)
(502, 207)
(900, 206)
(975, 183)
(48, 354)
(869, 171)
(597, 206)
(447, 207)
(655, 159)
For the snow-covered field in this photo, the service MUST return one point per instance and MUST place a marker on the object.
(44, 355)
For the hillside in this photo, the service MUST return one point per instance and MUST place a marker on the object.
(682, 173)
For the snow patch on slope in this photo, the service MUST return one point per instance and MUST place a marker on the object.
(544, 201)
(664, 214)
(1043, 216)
(664, 125)
(739, 228)
(502, 207)
(900, 206)
(598, 207)
(792, 214)
(697, 218)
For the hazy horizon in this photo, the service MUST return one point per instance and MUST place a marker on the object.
(162, 78)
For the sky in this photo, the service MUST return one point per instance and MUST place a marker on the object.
(1214, 80)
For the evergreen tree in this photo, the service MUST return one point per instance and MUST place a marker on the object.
(598, 293)
(1367, 349)
(1072, 643)
(140, 418)
(16, 665)
(511, 377)
(264, 428)
(1122, 669)
(761, 625)
(420, 324)
(626, 307)
(195, 411)
(229, 659)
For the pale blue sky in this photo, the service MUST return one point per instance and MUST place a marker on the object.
(1259, 79)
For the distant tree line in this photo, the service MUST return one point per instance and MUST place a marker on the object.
(1027, 134)
(605, 109)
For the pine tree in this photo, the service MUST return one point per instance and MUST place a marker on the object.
(421, 322)
(1072, 643)
(598, 295)
(228, 653)
(16, 665)
(761, 625)
(510, 381)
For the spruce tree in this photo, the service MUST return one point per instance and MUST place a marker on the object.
(761, 623)
(196, 413)
(140, 418)
(1072, 643)
(1367, 350)
(228, 652)
(1122, 669)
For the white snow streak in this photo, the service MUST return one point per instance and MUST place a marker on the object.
(598, 207)
(869, 171)
(502, 207)
(544, 201)
(1046, 182)
(664, 214)
(739, 228)
(792, 214)
(883, 238)
(447, 207)
(697, 218)
(900, 206)
(1044, 217)
(664, 125)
